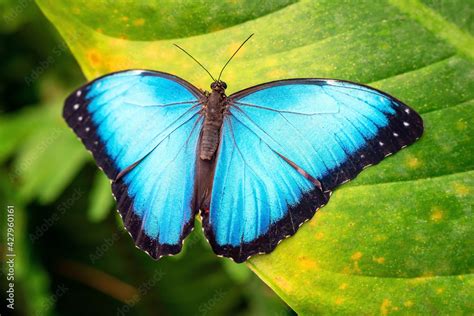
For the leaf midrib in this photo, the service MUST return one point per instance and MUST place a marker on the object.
(385, 277)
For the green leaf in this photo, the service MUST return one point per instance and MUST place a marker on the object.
(398, 239)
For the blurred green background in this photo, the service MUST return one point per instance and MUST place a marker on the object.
(71, 260)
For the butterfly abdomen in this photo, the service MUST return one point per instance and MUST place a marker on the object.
(209, 141)
(212, 125)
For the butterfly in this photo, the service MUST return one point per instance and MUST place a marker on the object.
(256, 164)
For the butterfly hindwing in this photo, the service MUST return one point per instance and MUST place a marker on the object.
(142, 128)
(285, 145)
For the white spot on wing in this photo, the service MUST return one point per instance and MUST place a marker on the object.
(78, 93)
(407, 110)
(395, 134)
(87, 129)
(380, 143)
(80, 118)
(406, 124)
(75, 106)
(331, 81)
(136, 72)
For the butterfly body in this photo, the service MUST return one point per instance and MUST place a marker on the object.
(214, 111)
(256, 164)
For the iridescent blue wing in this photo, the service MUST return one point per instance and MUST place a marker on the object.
(285, 145)
(142, 128)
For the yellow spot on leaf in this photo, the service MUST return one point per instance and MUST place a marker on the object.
(271, 62)
(380, 260)
(94, 57)
(307, 263)
(413, 162)
(313, 222)
(339, 300)
(436, 214)
(319, 235)
(139, 22)
(461, 189)
(356, 256)
(408, 303)
(231, 48)
(343, 286)
(439, 290)
(461, 125)
(385, 307)
(111, 63)
(117, 43)
(124, 18)
(76, 10)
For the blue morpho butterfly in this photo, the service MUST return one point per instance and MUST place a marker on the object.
(257, 164)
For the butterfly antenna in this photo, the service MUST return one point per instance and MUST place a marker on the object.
(220, 74)
(195, 61)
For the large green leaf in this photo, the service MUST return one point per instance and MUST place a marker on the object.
(399, 238)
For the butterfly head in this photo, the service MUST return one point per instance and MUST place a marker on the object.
(219, 86)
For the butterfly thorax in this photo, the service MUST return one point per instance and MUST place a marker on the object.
(213, 119)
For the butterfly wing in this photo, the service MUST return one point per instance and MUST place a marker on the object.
(142, 128)
(285, 145)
